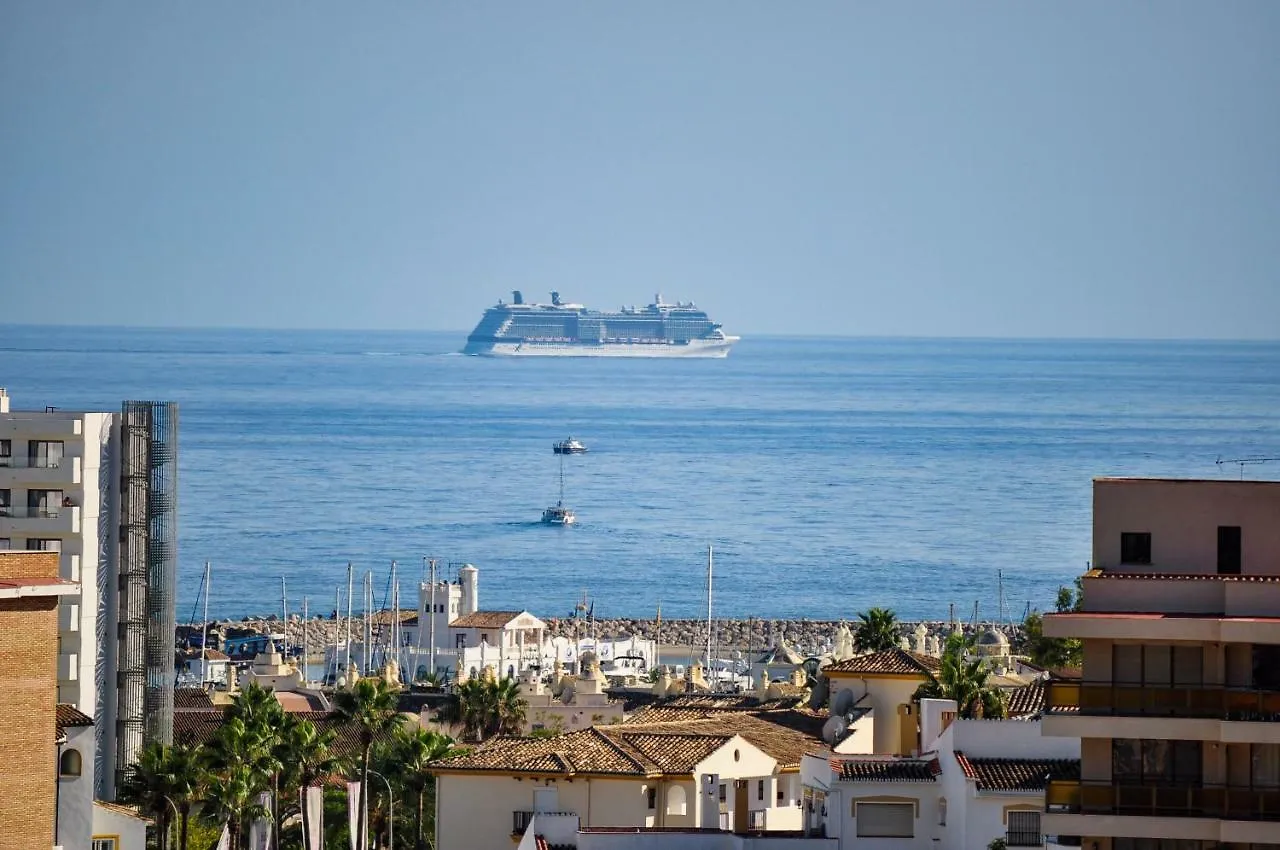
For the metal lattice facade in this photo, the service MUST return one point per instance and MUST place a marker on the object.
(147, 577)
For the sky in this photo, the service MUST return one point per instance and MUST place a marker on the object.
(1006, 169)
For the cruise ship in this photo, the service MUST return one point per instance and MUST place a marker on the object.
(561, 329)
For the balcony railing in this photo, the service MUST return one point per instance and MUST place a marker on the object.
(24, 512)
(1198, 801)
(1203, 701)
(27, 462)
(1022, 838)
(520, 820)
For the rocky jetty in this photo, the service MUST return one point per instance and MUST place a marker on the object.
(808, 637)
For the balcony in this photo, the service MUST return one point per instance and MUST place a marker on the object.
(1211, 702)
(32, 471)
(1163, 801)
(19, 521)
(550, 823)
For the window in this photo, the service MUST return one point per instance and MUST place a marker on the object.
(44, 454)
(44, 544)
(44, 503)
(1266, 666)
(782, 790)
(5, 495)
(885, 820)
(1264, 769)
(1151, 762)
(6, 452)
(1229, 550)
(760, 789)
(675, 801)
(103, 843)
(724, 794)
(70, 763)
(6, 543)
(1135, 547)
(942, 811)
(1024, 830)
(651, 797)
(460, 641)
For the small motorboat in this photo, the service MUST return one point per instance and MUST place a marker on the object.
(569, 447)
(558, 514)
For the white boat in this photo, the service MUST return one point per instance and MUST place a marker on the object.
(558, 514)
(569, 447)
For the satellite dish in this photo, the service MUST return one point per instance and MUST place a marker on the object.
(818, 695)
(843, 703)
(834, 729)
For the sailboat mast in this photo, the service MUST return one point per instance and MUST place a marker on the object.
(432, 668)
(350, 590)
(306, 644)
(284, 610)
(204, 631)
(710, 565)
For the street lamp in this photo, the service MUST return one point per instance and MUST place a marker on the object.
(391, 810)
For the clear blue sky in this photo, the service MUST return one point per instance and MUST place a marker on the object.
(950, 169)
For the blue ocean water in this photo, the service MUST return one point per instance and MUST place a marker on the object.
(830, 474)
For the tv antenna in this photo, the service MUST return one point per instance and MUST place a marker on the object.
(1245, 461)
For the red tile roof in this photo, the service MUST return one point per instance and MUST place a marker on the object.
(1016, 774)
(70, 717)
(887, 769)
(891, 661)
(1027, 701)
(485, 620)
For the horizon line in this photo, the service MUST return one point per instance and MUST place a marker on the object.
(745, 334)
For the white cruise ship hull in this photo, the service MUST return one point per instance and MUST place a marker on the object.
(693, 348)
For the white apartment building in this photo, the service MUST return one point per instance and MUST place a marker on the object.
(57, 488)
(1178, 708)
(61, 474)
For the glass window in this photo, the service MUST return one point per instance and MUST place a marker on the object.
(1188, 665)
(6, 543)
(1135, 547)
(44, 453)
(760, 789)
(1126, 663)
(1151, 762)
(1265, 766)
(5, 496)
(652, 795)
(1157, 665)
(43, 544)
(6, 452)
(44, 503)
(105, 844)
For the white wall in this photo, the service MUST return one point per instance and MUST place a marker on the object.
(844, 796)
(885, 695)
(131, 832)
(75, 794)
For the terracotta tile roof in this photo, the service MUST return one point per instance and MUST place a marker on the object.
(196, 728)
(192, 699)
(887, 769)
(485, 620)
(1016, 774)
(70, 717)
(649, 748)
(887, 661)
(1027, 701)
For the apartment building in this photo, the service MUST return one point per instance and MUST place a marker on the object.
(1178, 706)
(30, 592)
(99, 490)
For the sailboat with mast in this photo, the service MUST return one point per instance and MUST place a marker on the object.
(558, 514)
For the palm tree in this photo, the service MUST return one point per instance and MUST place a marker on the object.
(150, 786)
(371, 705)
(475, 707)
(188, 781)
(306, 757)
(878, 630)
(508, 707)
(408, 753)
(244, 764)
(963, 681)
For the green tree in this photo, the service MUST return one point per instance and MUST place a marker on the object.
(509, 707)
(371, 705)
(488, 708)
(1055, 652)
(963, 681)
(244, 763)
(150, 785)
(189, 782)
(878, 630)
(405, 759)
(306, 757)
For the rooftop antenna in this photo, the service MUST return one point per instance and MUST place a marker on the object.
(1245, 461)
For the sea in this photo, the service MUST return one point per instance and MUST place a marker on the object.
(826, 475)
